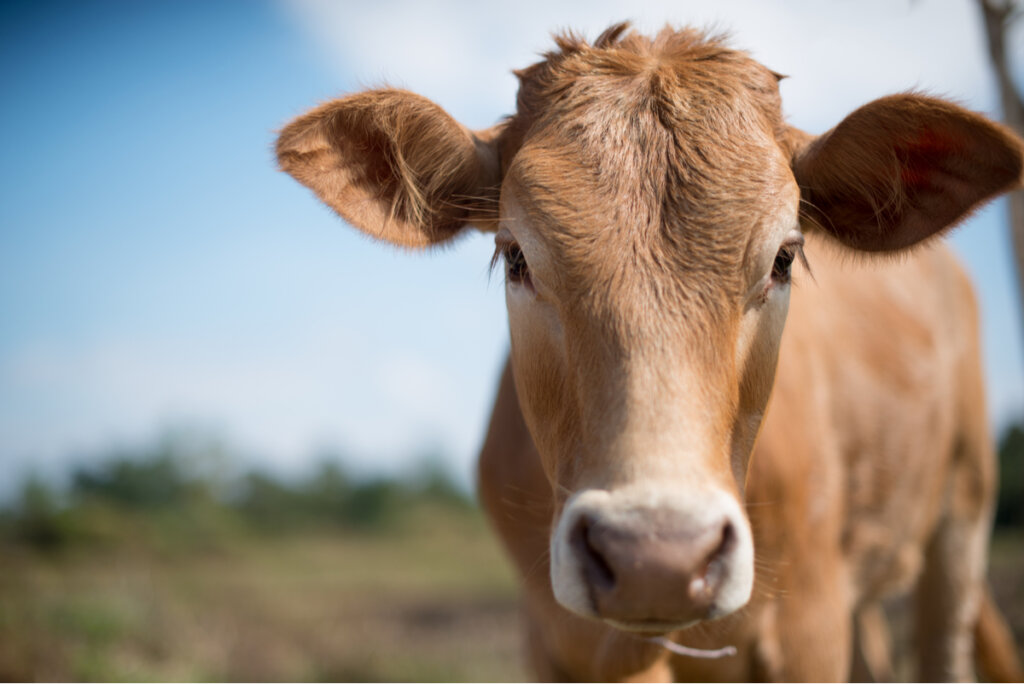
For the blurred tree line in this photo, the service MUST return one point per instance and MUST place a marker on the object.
(176, 493)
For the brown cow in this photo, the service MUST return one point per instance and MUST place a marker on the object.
(650, 205)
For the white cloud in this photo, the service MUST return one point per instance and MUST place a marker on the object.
(839, 54)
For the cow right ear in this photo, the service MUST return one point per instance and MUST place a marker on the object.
(395, 165)
(902, 169)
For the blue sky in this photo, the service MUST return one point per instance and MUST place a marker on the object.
(156, 271)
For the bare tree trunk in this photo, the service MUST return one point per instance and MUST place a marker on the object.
(998, 16)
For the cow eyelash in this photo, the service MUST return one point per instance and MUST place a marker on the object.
(516, 268)
(782, 267)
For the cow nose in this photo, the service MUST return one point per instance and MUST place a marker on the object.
(655, 568)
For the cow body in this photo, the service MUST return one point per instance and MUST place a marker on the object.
(652, 209)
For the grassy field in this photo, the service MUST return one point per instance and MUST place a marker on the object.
(192, 594)
(432, 600)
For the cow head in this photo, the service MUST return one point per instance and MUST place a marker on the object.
(649, 205)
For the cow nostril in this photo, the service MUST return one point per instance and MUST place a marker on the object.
(728, 540)
(704, 584)
(595, 567)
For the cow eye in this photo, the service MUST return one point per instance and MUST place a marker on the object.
(782, 269)
(790, 251)
(516, 269)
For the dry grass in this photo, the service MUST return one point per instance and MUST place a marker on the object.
(431, 600)
(434, 601)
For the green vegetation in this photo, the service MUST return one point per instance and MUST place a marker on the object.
(162, 492)
(1010, 509)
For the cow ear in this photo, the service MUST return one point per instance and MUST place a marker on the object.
(903, 168)
(395, 165)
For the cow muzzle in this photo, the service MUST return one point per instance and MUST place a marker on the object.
(652, 561)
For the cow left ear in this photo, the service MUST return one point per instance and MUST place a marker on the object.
(902, 169)
(396, 166)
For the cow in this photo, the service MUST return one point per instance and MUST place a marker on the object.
(686, 490)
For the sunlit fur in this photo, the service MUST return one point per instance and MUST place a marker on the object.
(395, 164)
(649, 184)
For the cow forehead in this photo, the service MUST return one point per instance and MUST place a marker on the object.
(676, 190)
